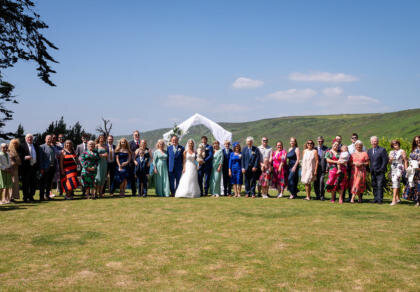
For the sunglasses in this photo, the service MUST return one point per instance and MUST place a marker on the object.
(265, 140)
(354, 138)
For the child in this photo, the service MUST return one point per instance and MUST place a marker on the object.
(265, 178)
(142, 172)
(344, 158)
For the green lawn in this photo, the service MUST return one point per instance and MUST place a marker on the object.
(208, 244)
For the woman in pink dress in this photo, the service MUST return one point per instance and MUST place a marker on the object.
(358, 162)
(337, 180)
(279, 180)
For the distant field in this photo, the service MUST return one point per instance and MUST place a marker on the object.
(402, 124)
(208, 244)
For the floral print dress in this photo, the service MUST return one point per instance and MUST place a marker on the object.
(89, 159)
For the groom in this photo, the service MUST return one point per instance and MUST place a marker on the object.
(205, 168)
(175, 164)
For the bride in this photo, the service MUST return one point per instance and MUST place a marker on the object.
(188, 185)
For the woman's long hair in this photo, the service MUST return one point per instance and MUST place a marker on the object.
(120, 147)
(13, 149)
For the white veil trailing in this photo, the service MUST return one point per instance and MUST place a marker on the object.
(218, 132)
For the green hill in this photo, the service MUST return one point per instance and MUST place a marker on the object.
(402, 124)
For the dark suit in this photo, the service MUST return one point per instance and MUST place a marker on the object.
(250, 159)
(227, 185)
(319, 183)
(142, 171)
(378, 164)
(28, 172)
(131, 169)
(111, 169)
(175, 166)
(48, 165)
(205, 170)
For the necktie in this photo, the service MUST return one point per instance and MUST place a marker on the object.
(111, 153)
(84, 146)
(174, 148)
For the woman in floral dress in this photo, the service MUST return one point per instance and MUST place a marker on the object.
(412, 191)
(359, 160)
(398, 161)
(337, 181)
(89, 160)
(279, 169)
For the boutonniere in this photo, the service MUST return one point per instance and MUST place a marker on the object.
(179, 149)
(253, 153)
(147, 151)
(240, 155)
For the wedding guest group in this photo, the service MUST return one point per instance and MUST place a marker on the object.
(99, 167)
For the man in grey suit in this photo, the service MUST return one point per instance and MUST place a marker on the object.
(47, 165)
(82, 147)
(319, 183)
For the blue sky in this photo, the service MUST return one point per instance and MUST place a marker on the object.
(148, 64)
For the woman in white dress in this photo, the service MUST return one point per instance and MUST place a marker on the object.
(398, 161)
(309, 167)
(188, 185)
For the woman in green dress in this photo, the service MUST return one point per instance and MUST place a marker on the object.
(160, 158)
(216, 173)
(100, 178)
(5, 175)
(89, 160)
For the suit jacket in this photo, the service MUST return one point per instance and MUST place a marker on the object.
(141, 167)
(379, 160)
(226, 158)
(24, 151)
(322, 161)
(80, 149)
(208, 159)
(175, 158)
(250, 159)
(45, 160)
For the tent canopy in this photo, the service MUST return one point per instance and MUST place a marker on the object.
(218, 132)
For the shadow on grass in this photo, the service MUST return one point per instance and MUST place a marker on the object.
(67, 238)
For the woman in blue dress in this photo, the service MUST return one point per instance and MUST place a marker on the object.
(123, 157)
(235, 169)
(293, 157)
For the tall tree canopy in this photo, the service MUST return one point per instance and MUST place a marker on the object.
(21, 39)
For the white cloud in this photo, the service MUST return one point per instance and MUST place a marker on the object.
(246, 83)
(322, 77)
(292, 95)
(361, 99)
(332, 91)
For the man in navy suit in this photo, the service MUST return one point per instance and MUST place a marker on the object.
(110, 148)
(134, 145)
(250, 161)
(175, 163)
(378, 165)
(227, 186)
(205, 168)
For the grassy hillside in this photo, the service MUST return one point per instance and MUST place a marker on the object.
(402, 124)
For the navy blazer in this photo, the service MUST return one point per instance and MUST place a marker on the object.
(175, 158)
(250, 158)
(24, 151)
(379, 160)
(226, 158)
(141, 167)
(208, 159)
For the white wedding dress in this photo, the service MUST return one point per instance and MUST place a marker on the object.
(188, 185)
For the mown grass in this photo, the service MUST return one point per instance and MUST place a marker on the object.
(208, 244)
